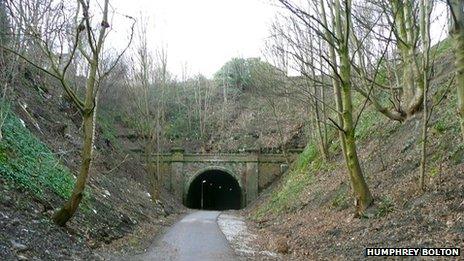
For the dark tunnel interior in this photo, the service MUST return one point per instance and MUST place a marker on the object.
(214, 190)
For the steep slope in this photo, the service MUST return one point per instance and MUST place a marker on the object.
(252, 123)
(309, 213)
(39, 153)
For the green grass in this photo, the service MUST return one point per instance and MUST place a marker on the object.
(386, 205)
(28, 164)
(366, 123)
(441, 48)
(308, 155)
(298, 178)
(448, 121)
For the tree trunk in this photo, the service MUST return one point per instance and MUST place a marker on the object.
(157, 134)
(361, 191)
(459, 63)
(457, 34)
(317, 114)
(425, 32)
(362, 194)
(320, 135)
(70, 207)
(335, 81)
(324, 117)
(411, 80)
(423, 146)
(152, 170)
(323, 107)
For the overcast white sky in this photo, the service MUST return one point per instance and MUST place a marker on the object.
(203, 33)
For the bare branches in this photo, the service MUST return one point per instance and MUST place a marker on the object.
(52, 43)
(306, 18)
(121, 54)
(30, 62)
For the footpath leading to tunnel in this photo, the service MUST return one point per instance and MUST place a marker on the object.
(195, 237)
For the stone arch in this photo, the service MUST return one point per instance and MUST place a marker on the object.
(214, 174)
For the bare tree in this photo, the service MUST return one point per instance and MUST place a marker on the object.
(6, 64)
(425, 11)
(266, 82)
(392, 32)
(142, 93)
(332, 22)
(162, 82)
(288, 39)
(202, 102)
(61, 34)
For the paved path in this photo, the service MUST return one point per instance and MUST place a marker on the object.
(195, 237)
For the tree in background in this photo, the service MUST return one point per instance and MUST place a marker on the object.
(235, 73)
(162, 83)
(301, 47)
(5, 31)
(5, 64)
(266, 81)
(202, 89)
(142, 95)
(234, 76)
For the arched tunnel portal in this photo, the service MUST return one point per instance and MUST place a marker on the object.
(214, 189)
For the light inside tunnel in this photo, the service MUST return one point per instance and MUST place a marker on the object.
(214, 190)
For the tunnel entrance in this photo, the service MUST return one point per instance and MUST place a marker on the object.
(214, 190)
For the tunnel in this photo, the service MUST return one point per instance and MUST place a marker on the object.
(214, 190)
